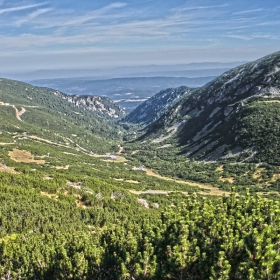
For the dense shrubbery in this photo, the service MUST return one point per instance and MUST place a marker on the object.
(226, 238)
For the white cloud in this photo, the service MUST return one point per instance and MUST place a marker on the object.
(252, 36)
(20, 8)
(248, 11)
(123, 27)
(241, 37)
(32, 16)
(106, 12)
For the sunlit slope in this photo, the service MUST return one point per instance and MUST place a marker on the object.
(39, 111)
(234, 116)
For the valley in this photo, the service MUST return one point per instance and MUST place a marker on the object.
(24, 156)
(127, 92)
(185, 185)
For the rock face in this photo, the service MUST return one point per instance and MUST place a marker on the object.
(152, 109)
(211, 116)
(102, 106)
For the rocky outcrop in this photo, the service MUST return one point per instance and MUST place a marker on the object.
(152, 109)
(102, 106)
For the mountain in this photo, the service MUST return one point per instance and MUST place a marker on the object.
(102, 106)
(77, 202)
(126, 92)
(153, 108)
(44, 111)
(211, 68)
(234, 116)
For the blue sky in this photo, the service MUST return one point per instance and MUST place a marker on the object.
(69, 34)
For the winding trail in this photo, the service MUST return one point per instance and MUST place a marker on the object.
(211, 190)
(19, 113)
(205, 189)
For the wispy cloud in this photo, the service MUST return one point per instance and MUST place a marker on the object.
(113, 6)
(252, 36)
(77, 20)
(190, 7)
(20, 8)
(248, 12)
(120, 25)
(32, 16)
(201, 8)
(241, 37)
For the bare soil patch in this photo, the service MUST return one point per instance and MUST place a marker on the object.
(120, 150)
(79, 202)
(62, 167)
(53, 196)
(66, 153)
(24, 157)
(229, 179)
(132, 182)
(220, 168)
(4, 168)
(276, 177)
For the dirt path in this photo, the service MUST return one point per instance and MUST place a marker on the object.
(212, 190)
(150, 192)
(19, 113)
(120, 150)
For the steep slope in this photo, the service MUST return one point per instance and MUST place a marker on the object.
(40, 112)
(236, 115)
(102, 106)
(152, 109)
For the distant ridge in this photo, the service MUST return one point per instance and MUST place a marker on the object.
(125, 71)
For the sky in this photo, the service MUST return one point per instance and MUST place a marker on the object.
(85, 34)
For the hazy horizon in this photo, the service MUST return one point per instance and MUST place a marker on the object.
(92, 34)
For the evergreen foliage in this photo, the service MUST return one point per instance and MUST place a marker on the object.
(77, 203)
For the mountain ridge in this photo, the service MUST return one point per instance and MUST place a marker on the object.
(204, 123)
(103, 106)
(152, 109)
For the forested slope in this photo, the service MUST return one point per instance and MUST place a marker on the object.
(46, 108)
